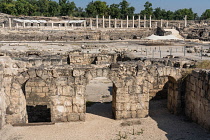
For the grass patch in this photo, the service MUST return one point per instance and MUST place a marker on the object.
(130, 123)
(205, 64)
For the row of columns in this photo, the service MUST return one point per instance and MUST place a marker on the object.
(133, 23)
(115, 23)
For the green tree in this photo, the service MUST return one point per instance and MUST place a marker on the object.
(8, 8)
(180, 14)
(54, 8)
(126, 10)
(79, 12)
(148, 10)
(114, 11)
(206, 14)
(67, 8)
(97, 8)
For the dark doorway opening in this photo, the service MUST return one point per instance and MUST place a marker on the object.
(38, 113)
(99, 97)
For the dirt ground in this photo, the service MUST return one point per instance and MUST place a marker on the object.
(99, 125)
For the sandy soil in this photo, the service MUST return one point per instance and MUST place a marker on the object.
(161, 125)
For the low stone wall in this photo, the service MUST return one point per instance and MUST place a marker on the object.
(197, 98)
(76, 35)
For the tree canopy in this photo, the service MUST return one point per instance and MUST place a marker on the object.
(69, 8)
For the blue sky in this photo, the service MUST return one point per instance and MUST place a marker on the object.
(198, 6)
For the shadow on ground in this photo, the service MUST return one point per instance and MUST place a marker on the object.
(176, 127)
(101, 109)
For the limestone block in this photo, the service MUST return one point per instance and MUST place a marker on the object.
(73, 117)
(105, 72)
(60, 109)
(16, 85)
(41, 94)
(32, 73)
(99, 72)
(36, 90)
(118, 115)
(126, 106)
(61, 81)
(44, 89)
(20, 79)
(133, 114)
(38, 62)
(82, 117)
(133, 107)
(119, 106)
(25, 75)
(39, 72)
(142, 113)
(80, 90)
(77, 72)
(79, 100)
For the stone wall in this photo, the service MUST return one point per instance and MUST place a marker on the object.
(76, 35)
(2, 99)
(197, 98)
(174, 99)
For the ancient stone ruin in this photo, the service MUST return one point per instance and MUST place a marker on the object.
(41, 86)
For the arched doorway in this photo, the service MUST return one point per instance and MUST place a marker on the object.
(37, 100)
(99, 97)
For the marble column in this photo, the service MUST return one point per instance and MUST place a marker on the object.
(150, 21)
(144, 21)
(127, 22)
(96, 21)
(115, 23)
(121, 24)
(91, 24)
(185, 21)
(109, 21)
(10, 23)
(161, 23)
(133, 22)
(103, 22)
(139, 24)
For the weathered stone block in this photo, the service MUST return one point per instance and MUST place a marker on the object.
(73, 117)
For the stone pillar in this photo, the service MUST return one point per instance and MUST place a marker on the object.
(10, 23)
(139, 25)
(16, 25)
(72, 25)
(3, 25)
(150, 21)
(65, 24)
(52, 25)
(161, 23)
(85, 24)
(115, 23)
(167, 24)
(185, 21)
(156, 24)
(59, 25)
(96, 21)
(133, 22)
(109, 21)
(127, 22)
(144, 21)
(24, 24)
(103, 23)
(179, 26)
(91, 24)
(121, 24)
